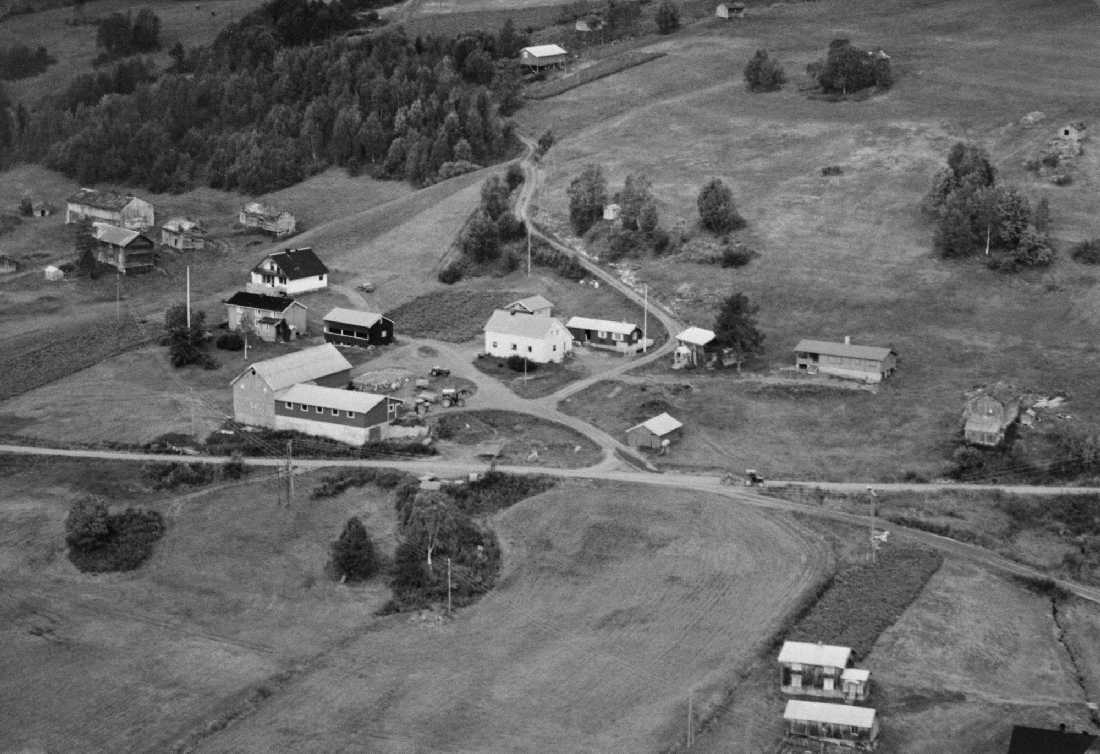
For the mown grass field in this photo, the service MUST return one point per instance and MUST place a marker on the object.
(852, 256)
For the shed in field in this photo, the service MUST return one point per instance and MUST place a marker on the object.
(730, 10)
(692, 346)
(8, 265)
(183, 233)
(350, 327)
(128, 251)
(255, 388)
(349, 416)
(123, 210)
(42, 209)
(866, 363)
(658, 432)
(543, 56)
(272, 318)
(53, 273)
(625, 337)
(259, 216)
(536, 304)
(840, 724)
(988, 415)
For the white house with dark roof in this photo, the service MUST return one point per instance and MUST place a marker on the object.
(657, 432)
(125, 210)
(865, 363)
(351, 327)
(841, 724)
(255, 389)
(348, 416)
(272, 318)
(536, 338)
(291, 271)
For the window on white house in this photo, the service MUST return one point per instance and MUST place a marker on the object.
(335, 412)
(282, 279)
(303, 407)
(494, 344)
(351, 414)
(601, 334)
(289, 405)
(515, 347)
(553, 348)
(616, 336)
(320, 410)
(529, 349)
(320, 277)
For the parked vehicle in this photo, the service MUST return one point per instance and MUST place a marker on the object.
(454, 397)
(753, 478)
(438, 371)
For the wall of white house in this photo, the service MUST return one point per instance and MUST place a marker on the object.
(542, 351)
(292, 287)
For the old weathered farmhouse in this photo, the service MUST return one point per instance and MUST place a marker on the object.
(349, 327)
(604, 333)
(809, 669)
(272, 318)
(658, 432)
(534, 337)
(345, 415)
(543, 56)
(531, 305)
(730, 10)
(988, 415)
(840, 724)
(128, 251)
(269, 219)
(291, 271)
(256, 388)
(42, 209)
(183, 234)
(866, 363)
(126, 211)
(692, 347)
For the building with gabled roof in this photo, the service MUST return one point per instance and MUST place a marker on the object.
(658, 432)
(124, 210)
(260, 216)
(865, 363)
(183, 234)
(543, 56)
(988, 415)
(272, 318)
(536, 304)
(348, 416)
(256, 387)
(291, 271)
(350, 327)
(814, 669)
(128, 251)
(730, 10)
(692, 346)
(841, 724)
(536, 338)
(605, 333)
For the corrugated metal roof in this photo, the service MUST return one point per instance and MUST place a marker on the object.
(531, 303)
(605, 325)
(524, 325)
(660, 425)
(823, 712)
(696, 336)
(810, 653)
(300, 366)
(352, 317)
(543, 51)
(114, 235)
(858, 675)
(262, 301)
(331, 397)
(830, 348)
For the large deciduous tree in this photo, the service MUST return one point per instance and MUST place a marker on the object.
(717, 212)
(587, 197)
(763, 73)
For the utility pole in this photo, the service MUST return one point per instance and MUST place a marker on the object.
(244, 334)
(289, 472)
(691, 727)
(528, 248)
(871, 501)
(645, 319)
(189, 298)
(118, 299)
(448, 586)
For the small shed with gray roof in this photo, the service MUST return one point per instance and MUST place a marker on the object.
(852, 362)
(656, 433)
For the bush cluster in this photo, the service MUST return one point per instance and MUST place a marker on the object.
(100, 541)
(1087, 252)
(763, 73)
(20, 61)
(338, 483)
(230, 341)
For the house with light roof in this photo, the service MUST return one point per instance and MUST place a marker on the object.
(259, 385)
(539, 339)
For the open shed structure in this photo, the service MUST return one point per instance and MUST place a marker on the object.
(865, 363)
(840, 724)
(730, 10)
(350, 327)
(624, 337)
(537, 57)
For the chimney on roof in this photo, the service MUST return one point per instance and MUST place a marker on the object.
(847, 340)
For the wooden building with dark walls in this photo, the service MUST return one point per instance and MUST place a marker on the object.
(349, 327)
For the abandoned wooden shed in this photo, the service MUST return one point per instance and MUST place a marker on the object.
(543, 56)
(183, 234)
(259, 216)
(865, 363)
(656, 433)
(730, 10)
(42, 209)
(256, 387)
(350, 327)
(538, 305)
(128, 251)
(272, 318)
(840, 724)
(126, 211)
(988, 415)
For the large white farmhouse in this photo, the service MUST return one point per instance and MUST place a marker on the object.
(535, 338)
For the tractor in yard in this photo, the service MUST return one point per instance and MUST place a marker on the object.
(753, 478)
(452, 396)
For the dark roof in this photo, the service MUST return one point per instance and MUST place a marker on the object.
(299, 263)
(1027, 740)
(261, 301)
